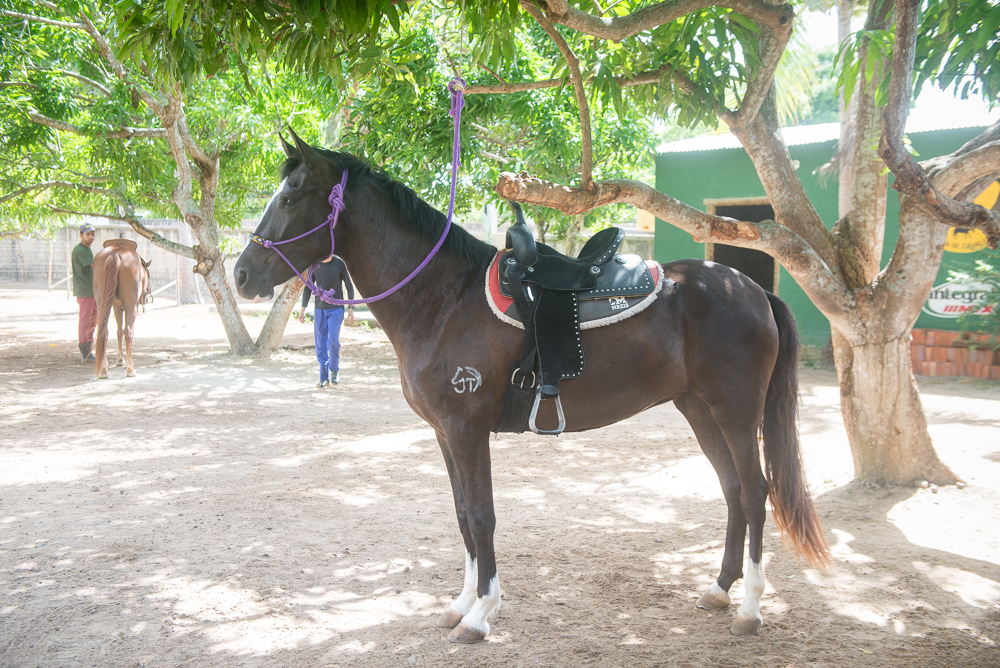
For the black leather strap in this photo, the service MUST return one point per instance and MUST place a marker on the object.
(517, 401)
(525, 309)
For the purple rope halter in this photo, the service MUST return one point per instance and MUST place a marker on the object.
(456, 87)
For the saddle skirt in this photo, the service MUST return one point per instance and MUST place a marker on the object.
(626, 287)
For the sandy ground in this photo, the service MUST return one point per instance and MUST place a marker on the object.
(218, 512)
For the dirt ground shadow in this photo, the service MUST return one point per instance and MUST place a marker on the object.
(218, 512)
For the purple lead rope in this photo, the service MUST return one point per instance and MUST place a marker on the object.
(456, 86)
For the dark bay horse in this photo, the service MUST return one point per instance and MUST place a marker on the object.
(713, 342)
(121, 279)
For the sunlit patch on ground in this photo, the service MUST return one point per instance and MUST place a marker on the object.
(213, 513)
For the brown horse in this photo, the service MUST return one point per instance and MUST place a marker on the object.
(713, 342)
(121, 279)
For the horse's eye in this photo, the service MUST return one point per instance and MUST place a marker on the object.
(287, 201)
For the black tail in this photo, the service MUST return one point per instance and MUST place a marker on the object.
(793, 508)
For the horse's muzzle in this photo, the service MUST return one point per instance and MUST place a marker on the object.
(249, 286)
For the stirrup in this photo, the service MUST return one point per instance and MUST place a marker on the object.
(534, 411)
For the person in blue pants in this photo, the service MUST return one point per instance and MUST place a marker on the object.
(331, 274)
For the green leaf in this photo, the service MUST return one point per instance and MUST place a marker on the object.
(743, 21)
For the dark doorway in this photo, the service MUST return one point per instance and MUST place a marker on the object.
(757, 265)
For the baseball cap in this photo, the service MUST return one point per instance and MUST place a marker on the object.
(86, 227)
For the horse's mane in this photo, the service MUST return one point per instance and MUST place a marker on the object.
(420, 216)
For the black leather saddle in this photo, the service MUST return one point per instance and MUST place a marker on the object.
(546, 287)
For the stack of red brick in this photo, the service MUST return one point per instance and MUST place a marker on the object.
(935, 352)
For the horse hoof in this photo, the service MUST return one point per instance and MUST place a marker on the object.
(712, 600)
(745, 626)
(130, 374)
(449, 619)
(463, 634)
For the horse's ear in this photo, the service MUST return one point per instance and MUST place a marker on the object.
(145, 263)
(289, 149)
(313, 160)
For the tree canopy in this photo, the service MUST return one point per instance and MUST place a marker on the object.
(560, 93)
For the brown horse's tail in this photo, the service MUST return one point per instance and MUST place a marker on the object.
(111, 267)
(793, 508)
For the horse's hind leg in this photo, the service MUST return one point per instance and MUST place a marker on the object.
(745, 488)
(741, 434)
(714, 445)
(452, 617)
(130, 316)
(470, 455)
(119, 314)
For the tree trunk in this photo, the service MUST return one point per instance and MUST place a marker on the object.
(239, 339)
(277, 318)
(884, 417)
(573, 232)
(845, 9)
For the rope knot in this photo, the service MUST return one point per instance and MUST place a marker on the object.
(267, 244)
(457, 88)
(336, 196)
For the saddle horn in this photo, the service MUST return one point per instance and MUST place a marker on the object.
(520, 239)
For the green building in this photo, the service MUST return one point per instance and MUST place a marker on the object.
(714, 173)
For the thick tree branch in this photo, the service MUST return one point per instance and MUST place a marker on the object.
(637, 79)
(795, 254)
(783, 186)
(860, 233)
(124, 133)
(17, 84)
(773, 43)
(75, 75)
(156, 239)
(41, 19)
(967, 169)
(911, 179)
(208, 165)
(56, 184)
(586, 140)
(119, 68)
(620, 27)
(514, 87)
(953, 173)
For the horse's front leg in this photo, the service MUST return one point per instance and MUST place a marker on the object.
(452, 617)
(467, 457)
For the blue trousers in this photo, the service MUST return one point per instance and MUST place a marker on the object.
(326, 327)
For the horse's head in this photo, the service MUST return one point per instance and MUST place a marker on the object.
(146, 289)
(299, 205)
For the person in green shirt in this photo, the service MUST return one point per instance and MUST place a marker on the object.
(83, 290)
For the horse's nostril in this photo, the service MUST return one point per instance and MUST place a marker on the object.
(241, 277)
